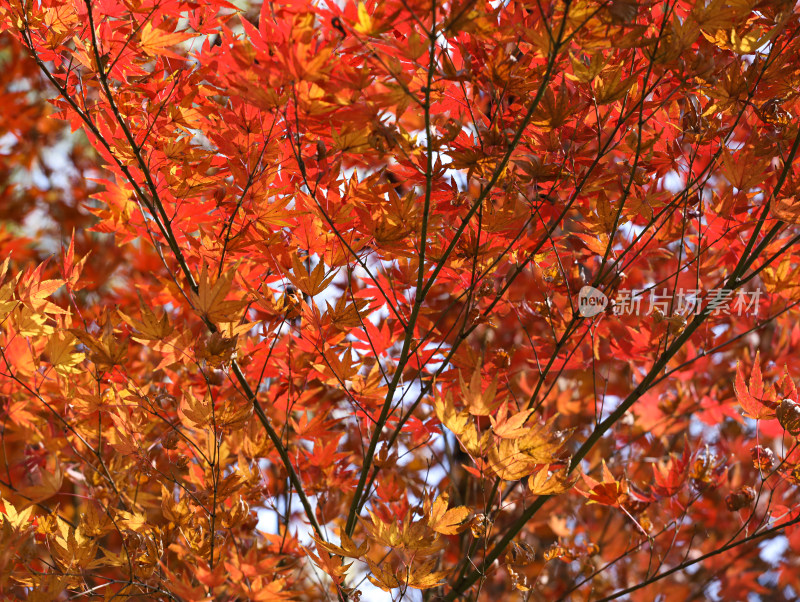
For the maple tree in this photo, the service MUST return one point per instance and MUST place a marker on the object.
(477, 300)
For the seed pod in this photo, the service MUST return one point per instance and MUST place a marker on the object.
(789, 416)
(741, 498)
(479, 525)
(763, 457)
(520, 554)
(632, 504)
(559, 551)
(170, 440)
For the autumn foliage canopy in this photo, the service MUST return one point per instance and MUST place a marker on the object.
(455, 299)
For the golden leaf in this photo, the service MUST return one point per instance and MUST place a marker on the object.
(384, 579)
(311, 283)
(545, 482)
(446, 413)
(508, 462)
(210, 298)
(509, 428)
(60, 353)
(424, 577)
(447, 522)
(610, 87)
(751, 41)
(105, 350)
(479, 403)
(786, 209)
(156, 41)
(348, 548)
(151, 327)
(542, 444)
(196, 412)
(14, 518)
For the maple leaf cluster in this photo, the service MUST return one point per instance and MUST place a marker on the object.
(292, 299)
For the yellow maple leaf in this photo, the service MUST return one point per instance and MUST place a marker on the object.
(155, 41)
(311, 283)
(546, 482)
(195, 411)
(784, 277)
(444, 521)
(786, 209)
(364, 24)
(384, 579)
(479, 403)
(508, 462)
(274, 215)
(424, 577)
(34, 292)
(348, 548)
(447, 415)
(210, 301)
(152, 327)
(14, 518)
(105, 349)
(509, 427)
(751, 41)
(542, 443)
(61, 354)
(611, 86)
(134, 521)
